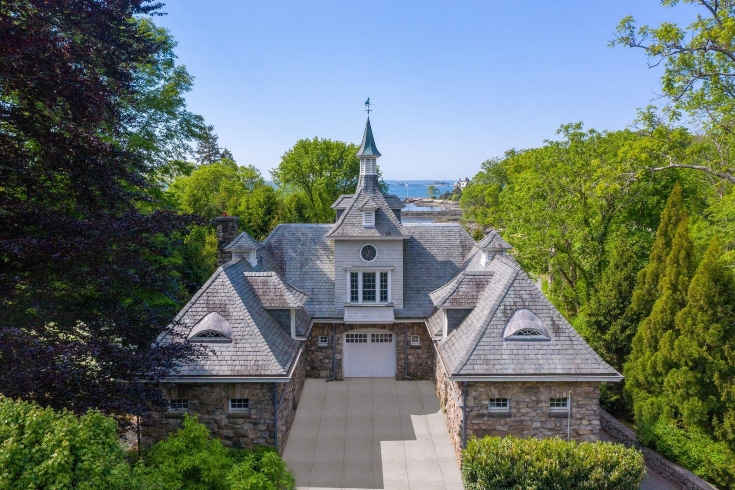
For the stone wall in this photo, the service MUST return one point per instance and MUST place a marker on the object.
(289, 395)
(529, 414)
(420, 359)
(210, 401)
(679, 477)
(450, 401)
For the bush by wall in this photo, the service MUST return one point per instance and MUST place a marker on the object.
(44, 449)
(41, 448)
(512, 463)
(714, 461)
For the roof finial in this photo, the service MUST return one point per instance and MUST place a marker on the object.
(367, 107)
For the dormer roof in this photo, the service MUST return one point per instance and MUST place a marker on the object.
(462, 291)
(243, 241)
(493, 242)
(273, 292)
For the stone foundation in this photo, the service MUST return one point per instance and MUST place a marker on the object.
(420, 359)
(210, 401)
(529, 414)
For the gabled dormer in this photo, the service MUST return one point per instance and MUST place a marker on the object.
(492, 244)
(244, 246)
(368, 213)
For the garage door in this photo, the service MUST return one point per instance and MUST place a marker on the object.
(369, 354)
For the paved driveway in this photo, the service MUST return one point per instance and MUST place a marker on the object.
(371, 433)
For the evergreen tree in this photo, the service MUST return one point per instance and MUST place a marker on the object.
(647, 282)
(706, 328)
(608, 330)
(651, 355)
(208, 150)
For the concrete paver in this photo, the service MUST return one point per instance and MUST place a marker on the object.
(365, 433)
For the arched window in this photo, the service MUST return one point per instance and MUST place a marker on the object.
(212, 327)
(523, 324)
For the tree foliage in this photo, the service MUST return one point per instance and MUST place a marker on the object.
(698, 79)
(650, 358)
(313, 174)
(87, 280)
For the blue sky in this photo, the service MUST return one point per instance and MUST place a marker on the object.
(453, 83)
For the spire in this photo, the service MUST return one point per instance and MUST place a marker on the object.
(368, 148)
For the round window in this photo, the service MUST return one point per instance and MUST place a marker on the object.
(368, 253)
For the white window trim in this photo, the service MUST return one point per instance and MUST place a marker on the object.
(499, 409)
(322, 344)
(376, 272)
(229, 404)
(172, 409)
(418, 340)
(559, 409)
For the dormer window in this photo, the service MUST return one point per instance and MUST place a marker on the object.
(213, 328)
(368, 218)
(523, 324)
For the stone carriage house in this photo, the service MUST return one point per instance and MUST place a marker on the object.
(370, 296)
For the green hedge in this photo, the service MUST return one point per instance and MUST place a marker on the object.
(714, 461)
(512, 463)
(44, 449)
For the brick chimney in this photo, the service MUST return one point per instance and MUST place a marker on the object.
(226, 227)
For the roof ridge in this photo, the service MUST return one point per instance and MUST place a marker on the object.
(475, 339)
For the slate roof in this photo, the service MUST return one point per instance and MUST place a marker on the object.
(493, 241)
(274, 292)
(259, 345)
(393, 201)
(476, 346)
(243, 241)
(350, 223)
(462, 291)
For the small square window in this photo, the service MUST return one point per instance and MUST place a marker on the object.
(239, 404)
(498, 405)
(559, 404)
(323, 341)
(415, 340)
(178, 404)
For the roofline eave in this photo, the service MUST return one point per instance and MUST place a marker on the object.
(504, 378)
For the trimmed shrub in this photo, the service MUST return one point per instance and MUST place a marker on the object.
(495, 463)
(714, 461)
(41, 448)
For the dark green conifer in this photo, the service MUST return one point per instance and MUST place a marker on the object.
(651, 355)
(647, 282)
(696, 388)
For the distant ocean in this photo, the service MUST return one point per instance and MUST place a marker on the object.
(417, 188)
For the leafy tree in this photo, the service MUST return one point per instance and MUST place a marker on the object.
(220, 188)
(208, 150)
(432, 191)
(313, 174)
(698, 78)
(156, 121)
(40, 448)
(561, 205)
(651, 355)
(87, 281)
(696, 389)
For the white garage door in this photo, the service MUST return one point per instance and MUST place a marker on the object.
(369, 354)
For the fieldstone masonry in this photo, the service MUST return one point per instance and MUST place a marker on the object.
(210, 401)
(420, 359)
(529, 414)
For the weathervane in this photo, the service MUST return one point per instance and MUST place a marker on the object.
(367, 106)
